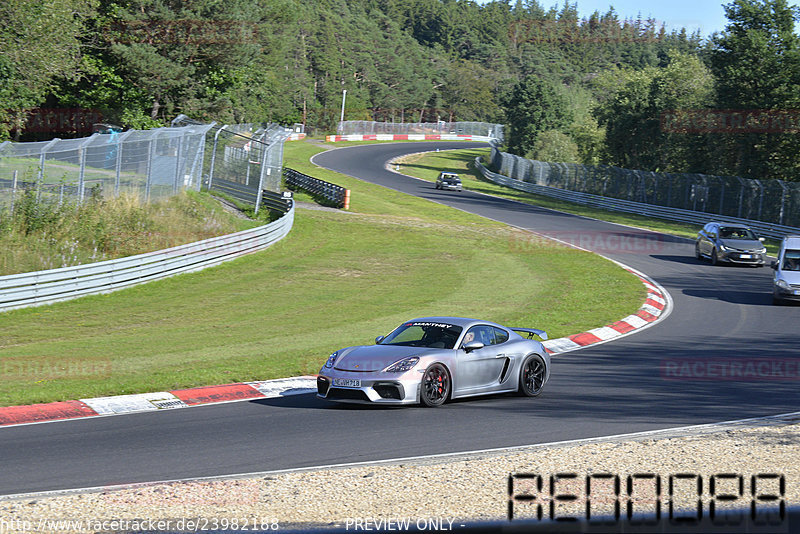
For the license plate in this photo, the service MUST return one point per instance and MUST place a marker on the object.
(746, 256)
(347, 382)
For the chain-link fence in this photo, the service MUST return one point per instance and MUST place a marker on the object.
(483, 129)
(150, 164)
(244, 159)
(773, 201)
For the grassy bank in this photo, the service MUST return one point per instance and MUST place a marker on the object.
(339, 278)
(43, 235)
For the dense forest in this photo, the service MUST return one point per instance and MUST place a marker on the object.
(606, 89)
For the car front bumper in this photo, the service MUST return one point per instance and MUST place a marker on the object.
(372, 387)
(745, 258)
(787, 294)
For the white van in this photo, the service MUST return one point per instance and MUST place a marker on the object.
(786, 285)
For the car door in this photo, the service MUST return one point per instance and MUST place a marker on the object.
(480, 369)
(709, 236)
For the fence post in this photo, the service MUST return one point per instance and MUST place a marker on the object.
(200, 157)
(760, 197)
(784, 189)
(261, 173)
(13, 189)
(214, 155)
(82, 164)
(176, 181)
(40, 177)
(149, 169)
(118, 165)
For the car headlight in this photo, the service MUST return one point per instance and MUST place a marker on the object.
(403, 365)
(781, 283)
(723, 248)
(331, 359)
(762, 250)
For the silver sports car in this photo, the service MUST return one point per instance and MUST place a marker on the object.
(433, 359)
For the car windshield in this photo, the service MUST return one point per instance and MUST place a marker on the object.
(737, 233)
(791, 260)
(424, 334)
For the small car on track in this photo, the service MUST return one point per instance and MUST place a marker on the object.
(786, 283)
(448, 180)
(731, 243)
(434, 359)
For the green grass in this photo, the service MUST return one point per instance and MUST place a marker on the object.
(42, 235)
(339, 278)
(428, 166)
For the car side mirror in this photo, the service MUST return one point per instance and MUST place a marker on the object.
(774, 265)
(379, 339)
(761, 239)
(472, 345)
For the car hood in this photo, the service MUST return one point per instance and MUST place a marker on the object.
(375, 357)
(791, 277)
(743, 244)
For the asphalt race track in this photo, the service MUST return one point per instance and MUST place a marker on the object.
(721, 313)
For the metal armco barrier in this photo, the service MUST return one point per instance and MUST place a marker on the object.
(774, 231)
(337, 195)
(279, 202)
(45, 287)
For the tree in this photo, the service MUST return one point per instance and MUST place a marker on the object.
(534, 106)
(756, 62)
(632, 111)
(40, 45)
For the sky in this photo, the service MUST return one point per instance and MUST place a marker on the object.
(704, 15)
(708, 16)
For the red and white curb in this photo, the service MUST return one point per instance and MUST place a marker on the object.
(143, 402)
(407, 137)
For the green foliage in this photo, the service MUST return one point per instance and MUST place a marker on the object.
(533, 107)
(756, 63)
(40, 234)
(553, 145)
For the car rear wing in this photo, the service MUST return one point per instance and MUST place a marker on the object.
(532, 332)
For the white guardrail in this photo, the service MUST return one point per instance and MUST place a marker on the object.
(774, 231)
(45, 287)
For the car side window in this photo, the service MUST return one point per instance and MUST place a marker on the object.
(483, 333)
(500, 336)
